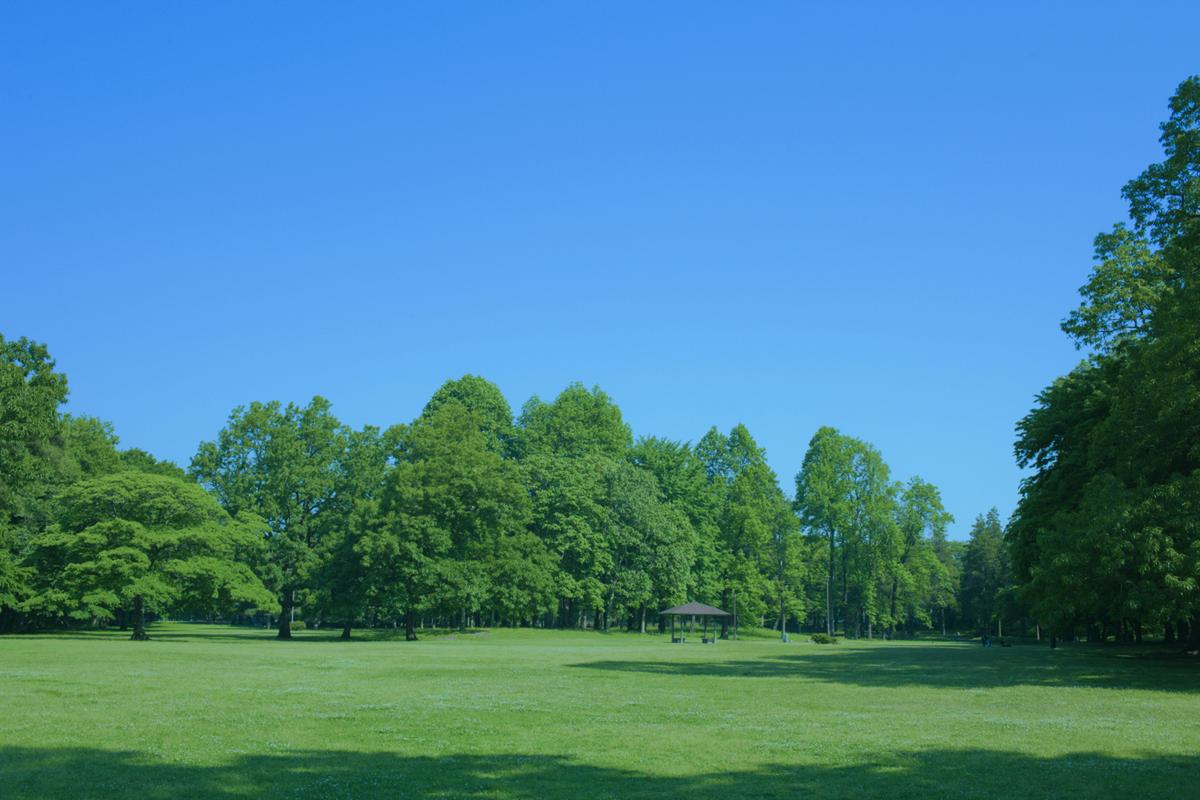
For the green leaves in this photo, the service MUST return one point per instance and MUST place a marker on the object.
(153, 539)
(1103, 530)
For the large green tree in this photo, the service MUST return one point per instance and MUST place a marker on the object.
(986, 573)
(30, 393)
(285, 464)
(137, 542)
(447, 508)
(1103, 536)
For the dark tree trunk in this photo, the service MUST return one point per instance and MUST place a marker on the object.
(285, 616)
(829, 589)
(139, 620)
(346, 629)
(410, 631)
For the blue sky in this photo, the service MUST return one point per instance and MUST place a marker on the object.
(787, 215)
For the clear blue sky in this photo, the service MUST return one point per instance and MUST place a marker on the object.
(786, 215)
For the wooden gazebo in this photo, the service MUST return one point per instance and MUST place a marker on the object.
(690, 611)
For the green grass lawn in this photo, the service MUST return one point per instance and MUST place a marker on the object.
(208, 711)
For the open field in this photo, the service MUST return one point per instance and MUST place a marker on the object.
(217, 712)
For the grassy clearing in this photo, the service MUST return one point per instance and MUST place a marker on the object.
(217, 712)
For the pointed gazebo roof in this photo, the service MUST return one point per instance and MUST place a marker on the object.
(695, 610)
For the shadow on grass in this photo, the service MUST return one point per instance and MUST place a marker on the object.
(46, 774)
(941, 666)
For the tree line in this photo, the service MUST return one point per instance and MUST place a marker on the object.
(1105, 540)
(471, 515)
(467, 516)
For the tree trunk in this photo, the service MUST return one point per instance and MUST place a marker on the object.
(410, 631)
(829, 589)
(346, 629)
(285, 616)
(643, 623)
(139, 620)
(892, 612)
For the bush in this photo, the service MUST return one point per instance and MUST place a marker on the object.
(299, 625)
(824, 638)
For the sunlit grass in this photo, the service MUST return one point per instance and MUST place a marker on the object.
(210, 711)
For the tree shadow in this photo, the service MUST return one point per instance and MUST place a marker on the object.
(941, 666)
(47, 774)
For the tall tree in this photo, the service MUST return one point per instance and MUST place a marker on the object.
(920, 575)
(824, 487)
(446, 508)
(579, 422)
(985, 571)
(30, 393)
(1102, 536)
(283, 463)
(486, 402)
(341, 578)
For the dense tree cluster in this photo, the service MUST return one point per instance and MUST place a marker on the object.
(557, 516)
(1106, 537)
(468, 515)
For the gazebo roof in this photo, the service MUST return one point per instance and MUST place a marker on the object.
(694, 609)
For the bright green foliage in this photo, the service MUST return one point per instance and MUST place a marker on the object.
(446, 509)
(341, 579)
(569, 515)
(1164, 200)
(846, 499)
(684, 485)
(750, 569)
(1127, 282)
(139, 542)
(486, 402)
(985, 572)
(285, 465)
(922, 578)
(650, 546)
(522, 579)
(141, 461)
(824, 487)
(578, 423)
(30, 394)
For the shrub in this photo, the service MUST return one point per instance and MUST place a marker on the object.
(824, 638)
(299, 625)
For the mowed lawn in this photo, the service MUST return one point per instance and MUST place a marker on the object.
(210, 711)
